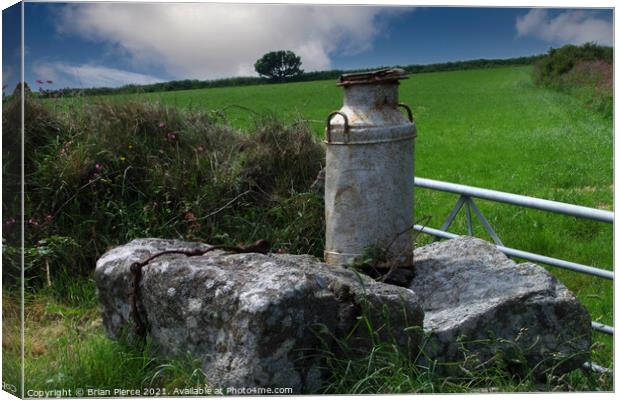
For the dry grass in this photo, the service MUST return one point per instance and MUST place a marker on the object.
(11, 336)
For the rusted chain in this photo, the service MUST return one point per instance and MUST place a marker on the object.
(260, 246)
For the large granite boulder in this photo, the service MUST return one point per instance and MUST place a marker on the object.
(254, 320)
(478, 300)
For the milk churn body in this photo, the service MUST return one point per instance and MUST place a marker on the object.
(369, 174)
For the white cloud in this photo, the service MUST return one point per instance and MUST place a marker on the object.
(85, 75)
(575, 27)
(7, 73)
(218, 40)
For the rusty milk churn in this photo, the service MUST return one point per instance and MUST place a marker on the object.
(369, 171)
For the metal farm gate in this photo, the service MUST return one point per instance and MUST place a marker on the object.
(466, 198)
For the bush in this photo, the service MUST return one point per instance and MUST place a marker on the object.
(119, 171)
(584, 71)
(558, 62)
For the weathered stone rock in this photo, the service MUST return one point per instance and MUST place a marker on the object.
(251, 318)
(472, 291)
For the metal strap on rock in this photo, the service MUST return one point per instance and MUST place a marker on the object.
(260, 246)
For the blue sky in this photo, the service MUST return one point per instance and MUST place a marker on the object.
(95, 44)
(11, 48)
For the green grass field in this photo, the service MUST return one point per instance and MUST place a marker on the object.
(488, 128)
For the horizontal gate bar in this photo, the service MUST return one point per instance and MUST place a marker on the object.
(517, 200)
(603, 328)
(601, 273)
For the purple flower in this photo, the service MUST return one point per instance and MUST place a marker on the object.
(171, 136)
(33, 222)
(162, 125)
(39, 82)
(10, 221)
(48, 81)
(98, 167)
(49, 218)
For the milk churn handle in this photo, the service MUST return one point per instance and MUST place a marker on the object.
(409, 113)
(329, 128)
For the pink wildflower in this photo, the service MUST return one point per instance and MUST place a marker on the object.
(10, 221)
(33, 222)
(171, 136)
(49, 218)
(162, 125)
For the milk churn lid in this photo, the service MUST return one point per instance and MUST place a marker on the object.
(380, 75)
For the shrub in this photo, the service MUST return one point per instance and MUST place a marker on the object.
(584, 71)
(558, 62)
(118, 171)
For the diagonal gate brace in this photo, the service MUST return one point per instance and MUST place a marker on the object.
(470, 206)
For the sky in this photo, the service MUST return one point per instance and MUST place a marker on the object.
(112, 44)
